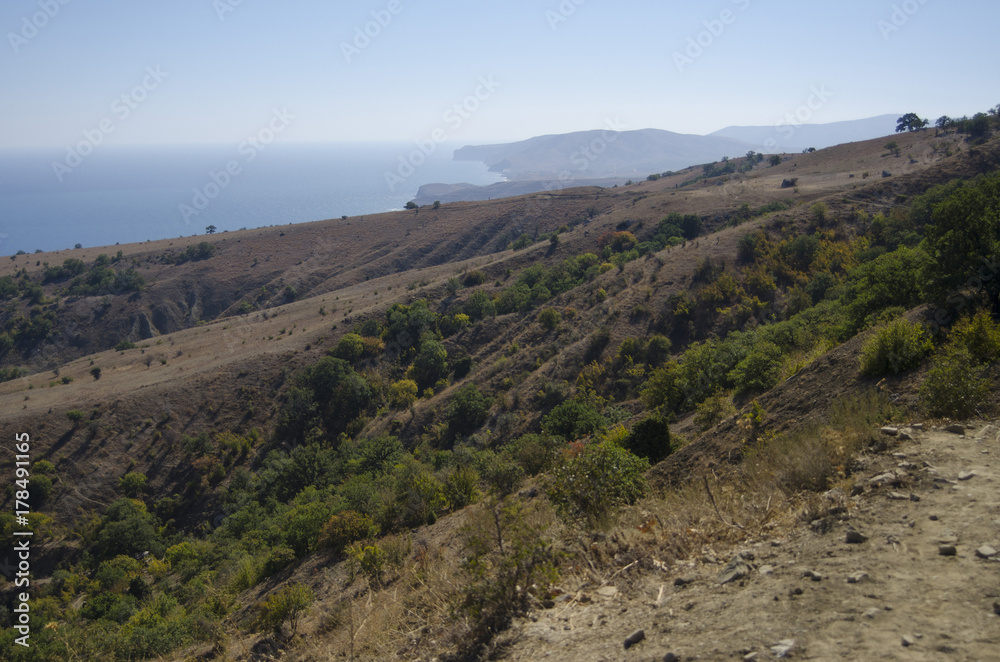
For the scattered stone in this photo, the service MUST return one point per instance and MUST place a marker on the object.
(892, 432)
(933, 518)
(909, 640)
(795, 591)
(607, 591)
(671, 657)
(899, 456)
(986, 552)
(898, 496)
(914, 498)
(766, 570)
(872, 612)
(855, 537)
(947, 550)
(996, 608)
(857, 489)
(813, 575)
(888, 478)
(736, 569)
(917, 426)
(886, 174)
(751, 657)
(683, 581)
(857, 577)
(955, 428)
(634, 638)
(967, 475)
(906, 434)
(548, 604)
(783, 648)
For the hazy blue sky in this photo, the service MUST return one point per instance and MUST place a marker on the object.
(549, 66)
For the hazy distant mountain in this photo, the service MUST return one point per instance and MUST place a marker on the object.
(601, 154)
(636, 154)
(790, 138)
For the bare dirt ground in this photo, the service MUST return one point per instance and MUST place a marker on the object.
(896, 596)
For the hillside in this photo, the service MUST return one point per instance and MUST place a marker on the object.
(380, 438)
(790, 135)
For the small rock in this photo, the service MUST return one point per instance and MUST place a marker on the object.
(795, 591)
(898, 496)
(996, 608)
(736, 569)
(888, 478)
(813, 575)
(933, 518)
(892, 432)
(766, 570)
(906, 435)
(914, 497)
(634, 638)
(671, 657)
(607, 591)
(955, 428)
(857, 577)
(947, 550)
(909, 640)
(857, 490)
(986, 552)
(783, 648)
(548, 604)
(855, 537)
(967, 475)
(683, 581)
(872, 612)
(751, 657)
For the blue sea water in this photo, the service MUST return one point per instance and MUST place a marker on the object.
(132, 194)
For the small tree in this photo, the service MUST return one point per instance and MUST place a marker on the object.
(210, 229)
(95, 372)
(411, 205)
(910, 122)
(775, 160)
(549, 318)
(286, 604)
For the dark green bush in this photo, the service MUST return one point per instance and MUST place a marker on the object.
(594, 479)
(894, 348)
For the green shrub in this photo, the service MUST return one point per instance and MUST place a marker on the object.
(403, 393)
(593, 479)
(132, 484)
(350, 348)
(286, 604)
(759, 370)
(979, 335)
(460, 487)
(713, 409)
(345, 528)
(894, 348)
(650, 438)
(956, 386)
(124, 345)
(572, 420)
(549, 318)
(468, 410)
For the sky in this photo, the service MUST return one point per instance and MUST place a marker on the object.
(216, 71)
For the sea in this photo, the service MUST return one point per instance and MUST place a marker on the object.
(53, 199)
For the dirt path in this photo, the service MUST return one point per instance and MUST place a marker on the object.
(893, 597)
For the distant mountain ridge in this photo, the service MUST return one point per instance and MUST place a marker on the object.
(635, 154)
(601, 154)
(787, 137)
